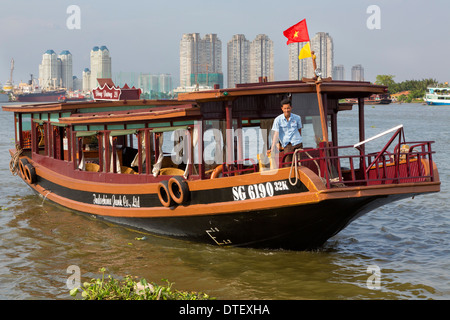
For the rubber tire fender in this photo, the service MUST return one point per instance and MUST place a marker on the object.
(179, 189)
(22, 163)
(164, 194)
(30, 174)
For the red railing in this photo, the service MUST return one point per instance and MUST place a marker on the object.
(411, 164)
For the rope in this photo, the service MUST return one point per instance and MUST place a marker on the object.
(14, 162)
(295, 164)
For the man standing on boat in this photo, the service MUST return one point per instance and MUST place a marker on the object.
(287, 128)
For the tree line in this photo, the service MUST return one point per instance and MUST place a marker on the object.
(416, 88)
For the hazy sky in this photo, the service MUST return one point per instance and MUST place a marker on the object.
(143, 36)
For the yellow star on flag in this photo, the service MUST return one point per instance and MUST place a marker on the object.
(296, 34)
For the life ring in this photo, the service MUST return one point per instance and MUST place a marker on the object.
(217, 171)
(164, 194)
(179, 189)
(30, 174)
(22, 163)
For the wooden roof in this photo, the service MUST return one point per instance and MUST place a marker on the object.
(173, 111)
(69, 106)
(334, 89)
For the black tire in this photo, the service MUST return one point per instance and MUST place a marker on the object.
(30, 174)
(179, 190)
(164, 194)
(22, 163)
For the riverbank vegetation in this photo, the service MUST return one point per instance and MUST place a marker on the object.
(129, 289)
(415, 88)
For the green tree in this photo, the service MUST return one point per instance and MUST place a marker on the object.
(385, 80)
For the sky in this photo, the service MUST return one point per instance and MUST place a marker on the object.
(411, 40)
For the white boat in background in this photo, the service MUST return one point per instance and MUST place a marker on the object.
(437, 96)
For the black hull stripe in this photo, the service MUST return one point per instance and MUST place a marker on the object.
(149, 200)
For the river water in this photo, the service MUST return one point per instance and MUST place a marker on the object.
(399, 251)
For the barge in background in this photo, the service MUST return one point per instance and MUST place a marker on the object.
(105, 158)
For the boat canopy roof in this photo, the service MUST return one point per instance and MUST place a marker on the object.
(97, 106)
(334, 90)
(154, 113)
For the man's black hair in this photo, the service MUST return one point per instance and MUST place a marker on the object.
(286, 101)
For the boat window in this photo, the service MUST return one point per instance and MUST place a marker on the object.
(307, 107)
(60, 145)
(25, 135)
(88, 151)
(40, 136)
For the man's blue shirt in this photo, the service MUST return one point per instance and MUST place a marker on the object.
(288, 130)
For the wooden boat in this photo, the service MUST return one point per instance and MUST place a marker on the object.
(104, 158)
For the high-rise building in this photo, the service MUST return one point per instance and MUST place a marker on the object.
(322, 45)
(357, 73)
(86, 80)
(211, 54)
(165, 83)
(100, 65)
(155, 86)
(66, 70)
(297, 68)
(50, 71)
(238, 60)
(261, 58)
(199, 58)
(339, 72)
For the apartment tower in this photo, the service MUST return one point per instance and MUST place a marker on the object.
(50, 71)
(357, 73)
(200, 59)
(261, 58)
(100, 65)
(322, 45)
(238, 60)
(66, 70)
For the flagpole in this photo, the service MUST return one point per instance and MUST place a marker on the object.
(323, 116)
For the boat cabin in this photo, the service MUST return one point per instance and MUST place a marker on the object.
(214, 134)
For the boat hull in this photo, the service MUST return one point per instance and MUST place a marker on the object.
(295, 217)
(299, 227)
(40, 97)
(433, 103)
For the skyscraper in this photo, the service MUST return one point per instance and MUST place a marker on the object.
(297, 68)
(238, 60)
(322, 44)
(86, 80)
(339, 72)
(199, 58)
(357, 73)
(100, 65)
(261, 58)
(66, 70)
(50, 70)
(165, 83)
(211, 54)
